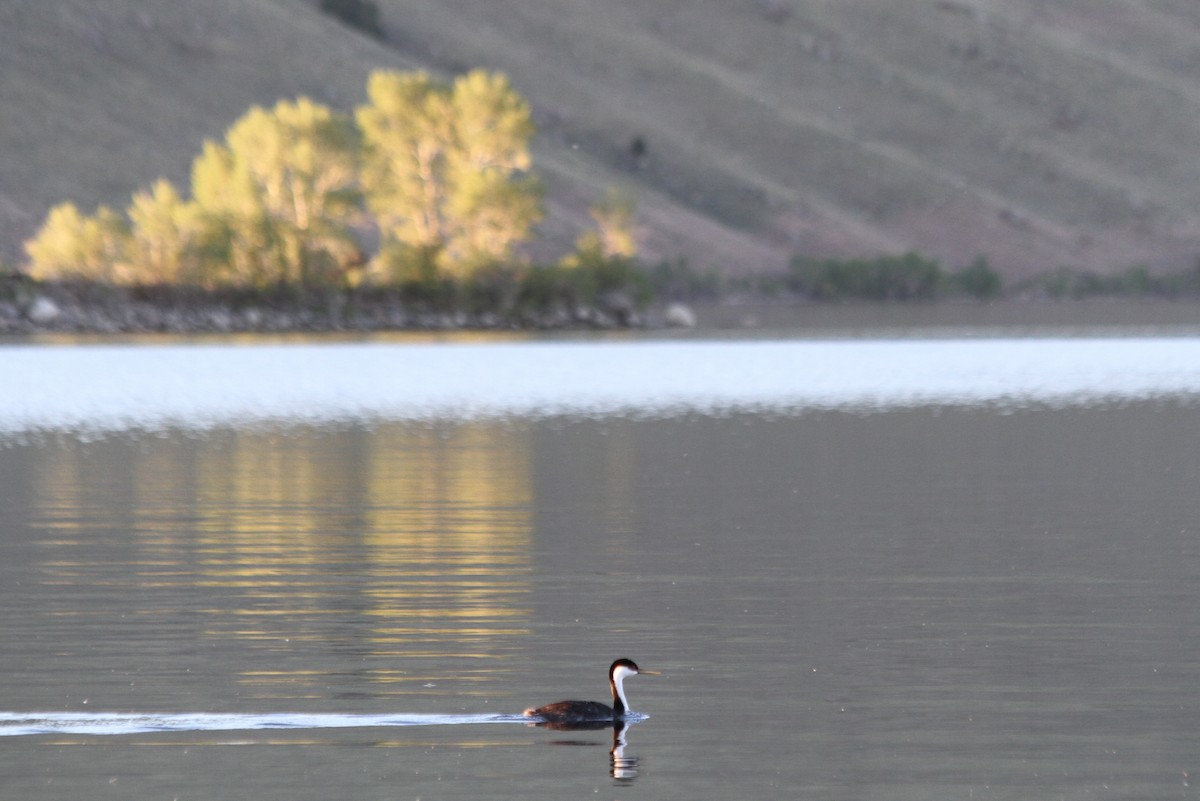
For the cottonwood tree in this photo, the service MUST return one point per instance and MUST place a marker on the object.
(445, 171)
(71, 244)
(168, 236)
(445, 168)
(282, 189)
(244, 250)
(615, 234)
(603, 262)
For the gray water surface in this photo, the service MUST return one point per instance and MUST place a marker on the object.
(936, 601)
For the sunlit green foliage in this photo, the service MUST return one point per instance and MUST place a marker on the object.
(243, 242)
(445, 171)
(168, 236)
(272, 205)
(602, 271)
(614, 237)
(283, 188)
(75, 246)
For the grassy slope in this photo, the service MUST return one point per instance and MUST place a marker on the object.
(1038, 132)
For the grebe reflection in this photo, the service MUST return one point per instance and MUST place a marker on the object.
(621, 765)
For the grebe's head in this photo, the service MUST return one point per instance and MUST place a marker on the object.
(624, 668)
(621, 670)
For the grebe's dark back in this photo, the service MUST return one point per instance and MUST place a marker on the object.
(593, 711)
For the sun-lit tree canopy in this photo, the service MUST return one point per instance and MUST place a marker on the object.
(615, 235)
(167, 236)
(284, 185)
(445, 169)
(73, 245)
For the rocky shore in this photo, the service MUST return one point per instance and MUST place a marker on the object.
(29, 308)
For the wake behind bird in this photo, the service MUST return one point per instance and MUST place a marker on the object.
(102, 723)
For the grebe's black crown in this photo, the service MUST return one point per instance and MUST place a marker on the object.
(629, 663)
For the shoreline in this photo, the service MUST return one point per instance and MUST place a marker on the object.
(96, 310)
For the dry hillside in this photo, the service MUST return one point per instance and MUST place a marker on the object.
(1036, 132)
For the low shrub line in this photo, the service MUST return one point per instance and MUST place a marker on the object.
(597, 292)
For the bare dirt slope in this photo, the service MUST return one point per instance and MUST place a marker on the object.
(1036, 132)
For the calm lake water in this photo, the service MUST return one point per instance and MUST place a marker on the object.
(900, 595)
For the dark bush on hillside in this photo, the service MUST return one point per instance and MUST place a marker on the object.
(905, 277)
(362, 15)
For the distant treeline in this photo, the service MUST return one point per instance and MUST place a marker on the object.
(912, 277)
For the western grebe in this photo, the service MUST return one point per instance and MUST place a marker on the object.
(594, 711)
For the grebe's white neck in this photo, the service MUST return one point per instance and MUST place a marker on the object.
(619, 674)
